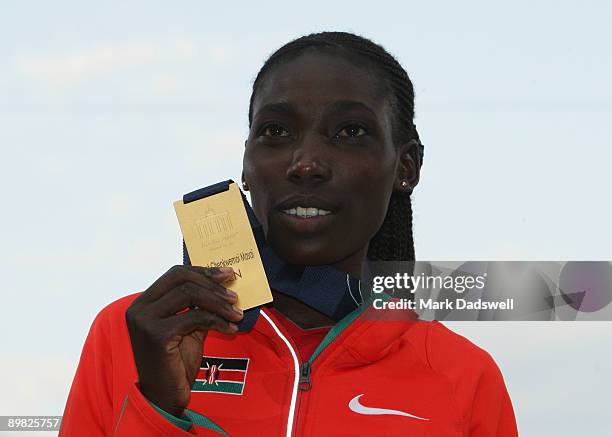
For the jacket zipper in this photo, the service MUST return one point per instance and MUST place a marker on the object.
(296, 366)
(305, 383)
(304, 386)
(302, 382)
(303, 371)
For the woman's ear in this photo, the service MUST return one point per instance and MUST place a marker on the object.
(409, 168)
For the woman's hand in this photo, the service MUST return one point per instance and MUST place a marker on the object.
(168, 346)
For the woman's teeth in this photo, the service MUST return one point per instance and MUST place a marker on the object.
(306, 212)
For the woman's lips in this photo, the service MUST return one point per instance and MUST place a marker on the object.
(305, 202)
(306, 212)
(306, 221)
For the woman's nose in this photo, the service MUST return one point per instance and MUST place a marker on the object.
(308, 165)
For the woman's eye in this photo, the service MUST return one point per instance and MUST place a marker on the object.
(353, 130)
(275, 130)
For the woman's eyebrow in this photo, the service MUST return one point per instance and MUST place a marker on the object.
(287, 108)
(350, 105)
(340, 106)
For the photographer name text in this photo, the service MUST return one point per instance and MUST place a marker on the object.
(447, 304)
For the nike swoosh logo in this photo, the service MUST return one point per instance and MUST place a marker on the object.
(357, 407)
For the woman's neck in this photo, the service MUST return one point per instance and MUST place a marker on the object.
(300, 313)
(305, 316)
(353, 263)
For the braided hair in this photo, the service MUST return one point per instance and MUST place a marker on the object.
(393, 241)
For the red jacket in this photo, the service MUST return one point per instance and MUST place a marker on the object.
(368, 377)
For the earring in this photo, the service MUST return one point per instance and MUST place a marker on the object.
(245, 187)
(404, 184)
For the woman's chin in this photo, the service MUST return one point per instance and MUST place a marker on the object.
(304, 254)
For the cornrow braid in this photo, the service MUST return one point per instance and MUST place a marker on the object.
(394, 240)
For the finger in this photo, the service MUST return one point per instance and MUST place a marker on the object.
(197, 320)
(178, 275)
(189, 295)
(216, 274)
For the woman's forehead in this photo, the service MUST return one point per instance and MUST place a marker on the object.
(318, 79)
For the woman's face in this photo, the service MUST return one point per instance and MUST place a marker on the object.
(319, 160)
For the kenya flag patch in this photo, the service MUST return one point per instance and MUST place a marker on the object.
(221, 375)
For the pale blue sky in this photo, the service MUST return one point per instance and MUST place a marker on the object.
(110, 111)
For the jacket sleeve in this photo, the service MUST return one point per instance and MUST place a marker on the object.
(89, 409)
(492, 414)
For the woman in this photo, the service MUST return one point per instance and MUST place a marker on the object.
(331, 159)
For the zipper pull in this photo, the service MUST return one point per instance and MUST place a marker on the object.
(304, 382)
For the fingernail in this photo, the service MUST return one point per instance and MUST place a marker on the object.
(211, 271)
(231, 293)
(237, 310)
(233, 327)
(216, 271)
